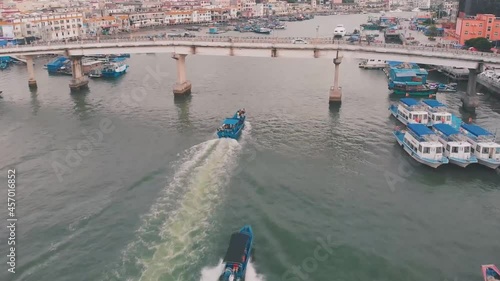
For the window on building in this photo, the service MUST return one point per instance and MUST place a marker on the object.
(466, 24)
(496, 33)
(488, 37)
(490, 20)
(454, 149)
(489, 28)
(480, 33)
(481, 25)
(466, 32)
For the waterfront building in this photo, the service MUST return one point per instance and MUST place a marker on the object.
(482, 25)
(48, 27)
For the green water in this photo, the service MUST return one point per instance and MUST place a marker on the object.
(328, 192)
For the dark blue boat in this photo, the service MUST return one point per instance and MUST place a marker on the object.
(232, 127)
(238, 255)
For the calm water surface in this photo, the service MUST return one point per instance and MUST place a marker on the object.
(156, 195)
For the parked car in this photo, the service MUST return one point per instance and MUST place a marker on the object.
(299, 41)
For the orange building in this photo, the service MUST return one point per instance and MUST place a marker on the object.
(482, 25)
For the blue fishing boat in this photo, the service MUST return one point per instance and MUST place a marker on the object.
(483, 143)
(232, 127)
(115, 68)
(421, 144)
(238, 255)
(457, 149)
(444, 88)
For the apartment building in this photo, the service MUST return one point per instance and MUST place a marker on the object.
(482, 25)
(48, 27)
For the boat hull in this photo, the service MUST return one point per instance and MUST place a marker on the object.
(113, 74)
(462, 162)
(489, 271)
(489, 163)
(431, 163)
(426, 93)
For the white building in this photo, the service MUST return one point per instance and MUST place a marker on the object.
(49, 27)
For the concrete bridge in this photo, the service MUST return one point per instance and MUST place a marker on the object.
(274, 47)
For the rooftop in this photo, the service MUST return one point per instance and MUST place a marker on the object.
(420, 130)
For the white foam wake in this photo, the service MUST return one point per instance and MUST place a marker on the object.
(213, 273)
(172, 235)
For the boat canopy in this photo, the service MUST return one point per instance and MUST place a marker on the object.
(237, 246)
(476, 130)
(409, 101)
(405, 73)
(420, 130)
(231, 121)
(433, 103)
(446, 129)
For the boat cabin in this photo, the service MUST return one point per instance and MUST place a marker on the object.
(483, 142)
(423, 142)
(229, 124)
(237, 251)
(438, 113)
(455, 144)
(411, 111)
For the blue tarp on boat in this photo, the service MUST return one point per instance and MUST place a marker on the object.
(409, 101)
(118, 59)
(420, 130)
(433, 103)
(446, 129)
(476, 130)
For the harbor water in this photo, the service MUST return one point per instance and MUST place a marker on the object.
(124, 182)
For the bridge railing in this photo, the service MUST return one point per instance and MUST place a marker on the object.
(264, 40)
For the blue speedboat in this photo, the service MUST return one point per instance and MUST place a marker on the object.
(232, 127)
(238, 255)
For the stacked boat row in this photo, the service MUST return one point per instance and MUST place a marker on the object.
(435, 137)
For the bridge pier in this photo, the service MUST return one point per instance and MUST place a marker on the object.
(182, 86)
(31, 72)
(336, 90)
(470, 100)
(78, 81)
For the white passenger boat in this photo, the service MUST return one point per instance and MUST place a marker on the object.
(438, 112)
(456, 147)
(483, 143)
(339, 31)
(421, 144)
(373, 64)
(409, 111)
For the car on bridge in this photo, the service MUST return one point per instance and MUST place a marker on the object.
(299, 41)
(185, 34)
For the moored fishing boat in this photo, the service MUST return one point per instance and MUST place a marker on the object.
(438, 112)
(373, 64)
(484, 147)
(114, 69)
(490, 272)
(409, 111)
(422, 145)
(95, 73)
(456, 147)
(412, 89)
(238, 255)
(232, 127)
(444, 88)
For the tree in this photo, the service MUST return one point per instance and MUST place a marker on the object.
(432, 31)
(480, 43)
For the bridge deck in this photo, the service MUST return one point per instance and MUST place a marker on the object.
(262, 47)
